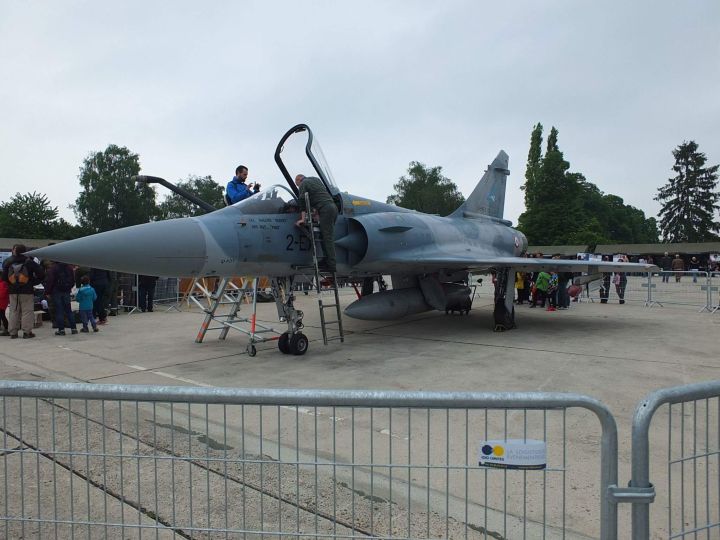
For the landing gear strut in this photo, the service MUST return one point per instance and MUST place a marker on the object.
(504, 312)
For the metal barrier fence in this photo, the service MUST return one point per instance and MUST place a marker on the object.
(682, 288)
(653, 289)
(127, 291)
(689, 505)
(167, 291)
(119, 461)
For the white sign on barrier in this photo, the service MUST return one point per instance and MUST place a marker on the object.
(512, 454)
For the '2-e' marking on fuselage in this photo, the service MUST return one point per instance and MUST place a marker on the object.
(301, 243)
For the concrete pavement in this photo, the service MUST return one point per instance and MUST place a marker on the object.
(614, 353)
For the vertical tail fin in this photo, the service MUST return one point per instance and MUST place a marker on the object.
(488, 197)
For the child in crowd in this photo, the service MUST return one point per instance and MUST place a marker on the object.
(4, 302)
(542, 283)
(552, 292)
(85, 297)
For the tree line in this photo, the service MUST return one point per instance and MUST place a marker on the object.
(108, 199)
(564, 208)
(561, 206)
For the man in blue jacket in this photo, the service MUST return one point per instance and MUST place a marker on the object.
(236, 189)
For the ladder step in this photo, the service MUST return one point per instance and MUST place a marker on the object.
(331, 322)
(326, 306)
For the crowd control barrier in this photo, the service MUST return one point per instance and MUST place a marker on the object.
(688, 446)
(136, 461)
(125, 461)
(167, 291)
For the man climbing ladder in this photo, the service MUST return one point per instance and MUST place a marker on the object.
(321, 201)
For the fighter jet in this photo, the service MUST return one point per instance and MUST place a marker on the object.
(428, 257)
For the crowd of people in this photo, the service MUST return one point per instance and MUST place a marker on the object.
(677, 267)
(93, 291)
(557, 290)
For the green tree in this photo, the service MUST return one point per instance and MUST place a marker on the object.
(64, 230)
(532, 170)
(109, 198)
(552, 213)
(32, 216)
(425, 189)
(562, 207)
(204, 187)
(690, 199)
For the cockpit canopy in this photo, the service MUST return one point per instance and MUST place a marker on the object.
(273, 200)
(286, 149)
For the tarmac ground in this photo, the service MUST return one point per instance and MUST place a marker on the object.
(130, 470)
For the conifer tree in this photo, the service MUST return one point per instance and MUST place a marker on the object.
(562, 207)
(690, 199)
(534, 161)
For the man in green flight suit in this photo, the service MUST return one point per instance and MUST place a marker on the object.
(321, 201)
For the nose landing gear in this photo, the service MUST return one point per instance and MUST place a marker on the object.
(293, 341)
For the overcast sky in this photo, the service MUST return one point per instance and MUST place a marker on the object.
(200, 87)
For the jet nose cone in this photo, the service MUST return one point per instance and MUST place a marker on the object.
(175, 247)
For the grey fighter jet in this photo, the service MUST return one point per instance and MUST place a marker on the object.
(428, 257)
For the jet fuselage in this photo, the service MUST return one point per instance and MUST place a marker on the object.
(259, 237)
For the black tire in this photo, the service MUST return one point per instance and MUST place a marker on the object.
(251, 350)
(284, 343)
(299, 344)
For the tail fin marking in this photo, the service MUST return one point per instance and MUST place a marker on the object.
(488, 197)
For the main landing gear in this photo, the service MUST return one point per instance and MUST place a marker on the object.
(504, 312)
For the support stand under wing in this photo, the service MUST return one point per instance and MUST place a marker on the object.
(229, 294)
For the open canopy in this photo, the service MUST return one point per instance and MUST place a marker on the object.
(314, 155)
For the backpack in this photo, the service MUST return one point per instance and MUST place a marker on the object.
(64, 279)
(18, 274)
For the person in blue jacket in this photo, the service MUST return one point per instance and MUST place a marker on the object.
(236, 189)
(86, 297)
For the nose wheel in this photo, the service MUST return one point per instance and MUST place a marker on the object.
(284, 343)
(293, 341)
(296, 344)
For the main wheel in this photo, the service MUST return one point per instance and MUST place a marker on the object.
(299, 344)
(284, 343)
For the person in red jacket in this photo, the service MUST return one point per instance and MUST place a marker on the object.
(4, 302)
